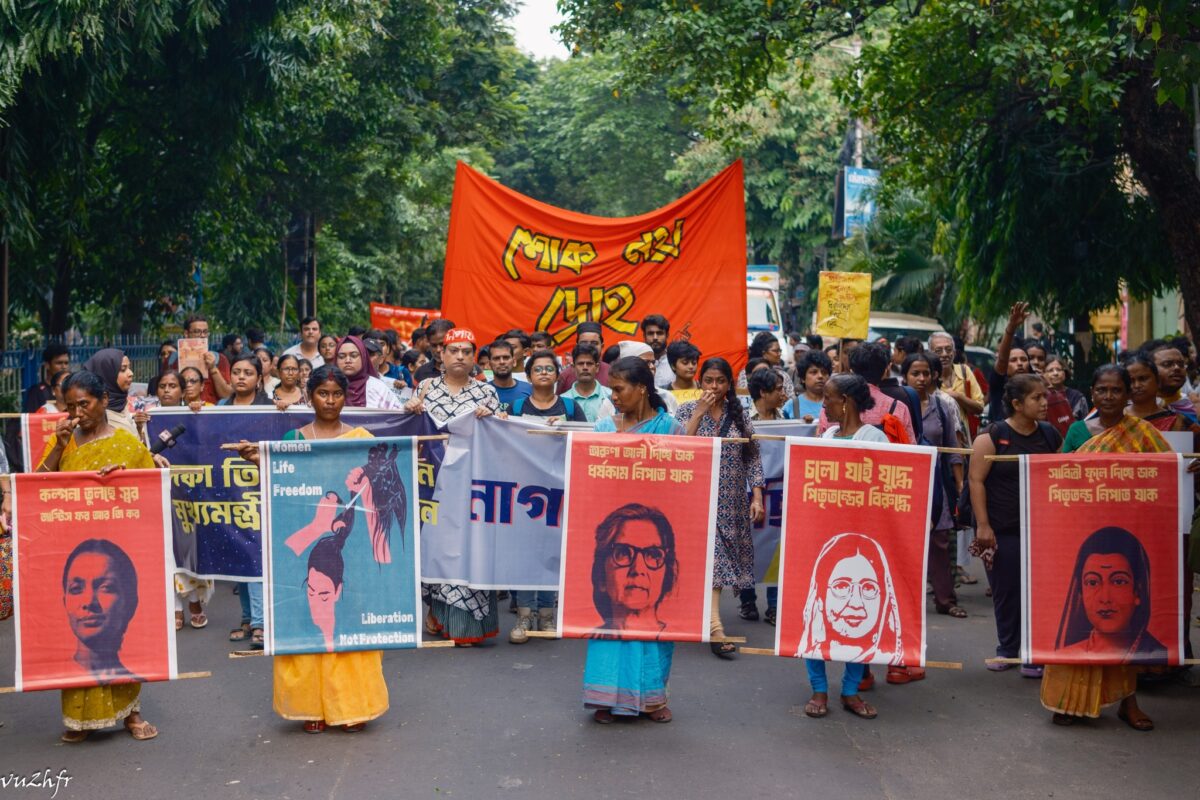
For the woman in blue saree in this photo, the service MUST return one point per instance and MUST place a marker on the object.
(629, 678)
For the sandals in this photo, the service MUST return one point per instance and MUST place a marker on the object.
(1139, 723)
(355, 728)
(662, 715)
(902, 675)
(859, 707)
(868, 681)
(603, 716)
(965, 577)
(314, 726)
(749, 612)
(141, 730)
(723, 650)
(953, 611)
(198, 619)
(74, 737)
(432, 627)
(178, 620)
(256, 639)
(1062, 719)
(816, 708)
(769, 616)
(240, 634)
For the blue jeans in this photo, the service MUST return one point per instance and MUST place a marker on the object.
(536, 600)
(751, 596)
(851, 676)
(251, 595)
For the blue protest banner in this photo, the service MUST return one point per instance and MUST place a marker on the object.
(342, 545)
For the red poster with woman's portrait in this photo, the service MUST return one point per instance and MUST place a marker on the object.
(92, 579)
(1102, 573)
(637, 544)
(853, 552)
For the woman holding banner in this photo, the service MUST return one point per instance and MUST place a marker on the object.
(345, 689)
(996, 502)
(86, 441)
(466, 615)
(719, 413)
(1081, 690)
(629, 677)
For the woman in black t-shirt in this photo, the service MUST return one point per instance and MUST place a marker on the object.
(542, 369)
(996, 501)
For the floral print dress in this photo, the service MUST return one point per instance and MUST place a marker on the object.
(733, 558)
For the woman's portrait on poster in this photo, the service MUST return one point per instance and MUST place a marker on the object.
(1107, 613)
(851, 612)
(100, 595)
(634, 567)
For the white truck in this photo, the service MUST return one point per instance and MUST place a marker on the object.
(762, 305)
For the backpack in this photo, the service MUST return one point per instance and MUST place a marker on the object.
(892, 427)
(568, 404)
(1059, 412)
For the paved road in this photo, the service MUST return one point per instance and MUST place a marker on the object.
(506, 721)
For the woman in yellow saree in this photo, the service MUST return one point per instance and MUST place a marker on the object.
(348, 688)
(1081, 690)
(86, 442)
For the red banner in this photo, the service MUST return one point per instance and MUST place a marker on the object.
(638, 537)
(513, 262)
(1102, 559)
(400, 319)
(36, 431)
(853, 552)
(92, 567)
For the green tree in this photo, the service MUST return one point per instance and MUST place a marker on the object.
(590, 142)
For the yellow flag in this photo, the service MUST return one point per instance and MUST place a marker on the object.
(843, 304)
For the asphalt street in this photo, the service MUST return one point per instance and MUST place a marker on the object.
(507, 721)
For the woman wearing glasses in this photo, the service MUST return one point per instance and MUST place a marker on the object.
(633, 569)
(193, 388)
(288, 392)
(542, 370)
(629, 677)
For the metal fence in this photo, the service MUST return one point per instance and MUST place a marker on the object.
(21, 367)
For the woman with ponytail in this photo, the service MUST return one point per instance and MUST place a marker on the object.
(719, 413)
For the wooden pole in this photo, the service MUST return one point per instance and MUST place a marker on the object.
(1185, 661)
(767, 651)
(433, 438)
(554, 635)
(183, 676)
(564, 433)
(773, 437)
(256, 653)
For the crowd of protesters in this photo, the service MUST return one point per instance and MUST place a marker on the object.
(910, 391)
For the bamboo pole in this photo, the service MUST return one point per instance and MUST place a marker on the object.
(174, 471)
(564, 433)
(554, 635)
(441, 437)
(183, 676)
(1015, 458)
(1185, 661)
(767, 651)
(773, 437)
(423, 646)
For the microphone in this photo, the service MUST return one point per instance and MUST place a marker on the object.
(166, 439)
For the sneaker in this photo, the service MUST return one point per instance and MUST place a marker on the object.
(548, 620)
(1031, 671)
(748, 611)
(769, 616)
(520, 632)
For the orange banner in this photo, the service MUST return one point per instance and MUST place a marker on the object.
(93, 579)
(36, 432)
(639, 535)
(514, 262)
(400, 319)
(1102, 558)
(853, 553)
